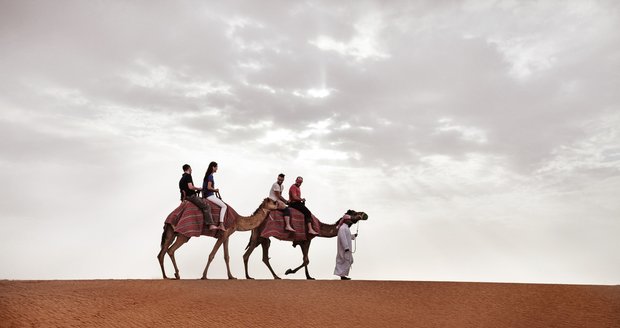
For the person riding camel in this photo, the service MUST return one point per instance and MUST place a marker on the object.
(209, 191)
(298, 203)
(189, 193)
(275, 194)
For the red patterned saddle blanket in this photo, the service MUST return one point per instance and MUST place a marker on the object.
(187, 219)
(273, 226)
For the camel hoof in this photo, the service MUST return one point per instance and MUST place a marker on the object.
(249, 278)
(176, 276)
(277, 278)
(232, 278)
(310, 278)
(203, 278)
(289, 271)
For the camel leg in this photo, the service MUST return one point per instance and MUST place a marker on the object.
(246, 256)
(227, 260)
(266, 243)
(180, 240)
(167, 239)
(217, 245)
(292, 271)
(305, 247)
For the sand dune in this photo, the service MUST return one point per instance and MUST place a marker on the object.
(294, 303)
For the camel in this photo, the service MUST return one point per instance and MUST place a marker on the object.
(239, 223)
(325, 230)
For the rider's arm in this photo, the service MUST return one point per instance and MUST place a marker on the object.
(210, 186)
(192, 187)
(279, 195)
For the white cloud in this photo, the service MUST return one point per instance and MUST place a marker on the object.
(313, 93)
(155, 77)
(526, 56)
(599, 150)
(466, 133)
(276, 136)
(317, 128)
(251, 65)
(71, 96)
(364, 45)
(540, 37)
(474, 173)
(316, 155)
(161, 77)
(201, 89)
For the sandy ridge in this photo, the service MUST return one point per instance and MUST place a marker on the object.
(294, 303)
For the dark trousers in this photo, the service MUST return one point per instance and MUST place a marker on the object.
(286, 211)
(203, 205)
(303, 209)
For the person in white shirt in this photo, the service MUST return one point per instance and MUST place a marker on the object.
(344, 257)
(275, 194)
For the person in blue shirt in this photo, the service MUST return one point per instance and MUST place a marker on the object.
(209, 192)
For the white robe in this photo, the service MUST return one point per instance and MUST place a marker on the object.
(344, 259)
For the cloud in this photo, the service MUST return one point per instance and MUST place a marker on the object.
(398, 70)
(363, 45)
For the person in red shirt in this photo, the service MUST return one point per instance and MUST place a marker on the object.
(298, 203)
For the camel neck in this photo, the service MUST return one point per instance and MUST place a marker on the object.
(328, 230)
(246, 223)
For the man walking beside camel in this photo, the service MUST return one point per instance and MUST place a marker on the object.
(344, 257)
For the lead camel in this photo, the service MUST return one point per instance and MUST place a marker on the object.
(275, 227)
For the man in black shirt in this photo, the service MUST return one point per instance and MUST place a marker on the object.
(190, 192)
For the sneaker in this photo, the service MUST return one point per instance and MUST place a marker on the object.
(345, 278)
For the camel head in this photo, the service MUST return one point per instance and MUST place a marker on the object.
(270, 204)
(357, 216)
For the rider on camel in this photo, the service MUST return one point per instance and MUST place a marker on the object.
(298, 203)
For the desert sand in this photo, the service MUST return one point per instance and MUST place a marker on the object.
(298, 303)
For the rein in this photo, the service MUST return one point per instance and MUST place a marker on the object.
(355, 240)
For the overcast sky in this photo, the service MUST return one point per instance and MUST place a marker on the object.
(481, 137)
